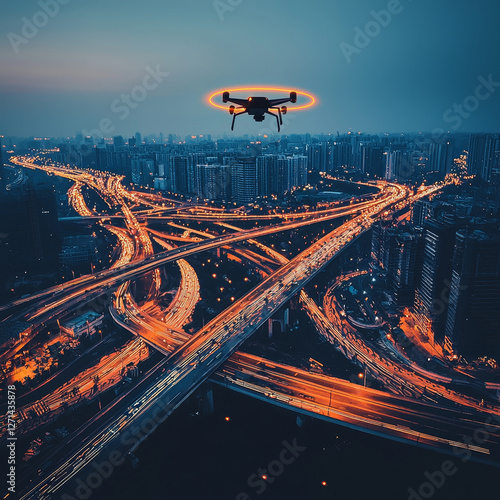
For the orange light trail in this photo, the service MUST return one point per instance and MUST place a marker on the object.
(312, 99)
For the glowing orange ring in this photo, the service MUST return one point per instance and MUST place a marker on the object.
(312, 99)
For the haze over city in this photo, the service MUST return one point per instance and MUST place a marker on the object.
(423, 59)
(249, 249)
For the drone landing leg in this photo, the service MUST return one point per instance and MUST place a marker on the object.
(279, 113)
(277, 119)
(234, 118)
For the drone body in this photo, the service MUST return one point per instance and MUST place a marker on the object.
(258, 107)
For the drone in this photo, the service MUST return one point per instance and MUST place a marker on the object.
(258, 107)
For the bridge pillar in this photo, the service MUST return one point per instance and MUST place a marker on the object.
(270, 327)
(205, 396)
(286, 317)
(282, 317)
(271, 323)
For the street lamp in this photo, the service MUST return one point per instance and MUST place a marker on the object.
(362, 375)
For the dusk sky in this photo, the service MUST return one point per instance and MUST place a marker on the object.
(430, 55)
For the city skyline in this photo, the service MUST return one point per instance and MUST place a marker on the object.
(391, 360)
(389, 65)
(280, 311)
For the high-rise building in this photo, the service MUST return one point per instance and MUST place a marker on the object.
(472, 326)
(280, 180)
(341, 156)
(297, 172)
(142, 171)
(440, 157)
(29, 240)
(197, 159)
(421, 211)
(398, 251)
(213, 182)
(182, 174)
(491, 164)
(401, 165)
(384, 247)
(267, 175)
(475, 156)
(118, 142)
(431, 303)
(373, 161)
(319, 156)
(244, 180)
(394, 164)
(408, 267)
(378, 233)
(483, 158)
(78, 251)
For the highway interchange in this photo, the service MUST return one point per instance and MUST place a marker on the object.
(192, 359)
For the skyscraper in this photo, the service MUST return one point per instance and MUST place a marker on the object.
(373, 160)
(118, 142)
(402, 165)
(213, 182)
(440, 157)
(421, 211)
(182, 174)
(472, 326)
(384, 250)
(297, 171)
(267, 168)
(319, 156)
(408, 267)
(244, 180)
(431, 296)
(29, 240)
(341, 156)
(398, 251)
(491, 164)
(394, 164)
(475, 157)
(142, 171)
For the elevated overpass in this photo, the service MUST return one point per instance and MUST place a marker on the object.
(436, 427)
